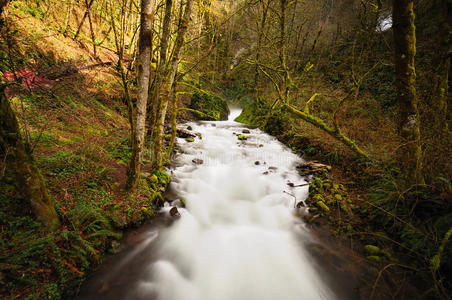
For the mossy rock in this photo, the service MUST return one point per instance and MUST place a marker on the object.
(241, 137)
(277, 123)
(213, 106)
(190, 140)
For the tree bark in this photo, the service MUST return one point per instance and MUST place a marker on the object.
(169, 83)
(83, 19)
(28, 176)
(282, 51)
(144, 58)
(160, 74)
(444, 68)
(405, 77)
(260, 34)
(334, 132)
(93, 36)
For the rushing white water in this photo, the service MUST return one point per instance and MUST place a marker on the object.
(237, 238)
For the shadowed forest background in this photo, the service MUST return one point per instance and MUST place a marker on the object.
(92, 92)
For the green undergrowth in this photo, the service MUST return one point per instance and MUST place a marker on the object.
(211, 105)
(35, 264)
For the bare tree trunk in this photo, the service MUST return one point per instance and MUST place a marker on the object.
(93, 37)
(145, 47)
(83, 19)
(29, 178)
(405, 77)
(260, 32)
(169, 83)
(68, 17)
(282, 51)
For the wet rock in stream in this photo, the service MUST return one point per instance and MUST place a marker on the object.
(185, 134)
(174, 212)
(197, 161)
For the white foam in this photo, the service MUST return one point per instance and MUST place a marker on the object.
(236, 238)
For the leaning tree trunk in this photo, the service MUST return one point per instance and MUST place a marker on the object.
(405, 77)
(144, 58)
(169, 83)
(28, 176)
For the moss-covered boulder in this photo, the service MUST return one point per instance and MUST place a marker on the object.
(214, 107)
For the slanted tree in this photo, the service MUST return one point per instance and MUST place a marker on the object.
(144, 59)
(19, 159)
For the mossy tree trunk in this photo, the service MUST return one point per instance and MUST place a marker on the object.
(443, 107)
(162, 67)
(144, 59)
(405, 77)
(334, 132)
(166, 95)
(282, 51)
(28, 177)
(260, 35)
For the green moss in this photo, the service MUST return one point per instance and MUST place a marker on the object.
(372, 250)
(190, 140)
(241, 137)
(213, 106)
(246, 117)
(323, 206)
(374, 258)
(338, 197)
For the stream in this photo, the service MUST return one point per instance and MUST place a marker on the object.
(239, 236)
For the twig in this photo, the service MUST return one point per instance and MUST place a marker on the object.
(381, 273)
